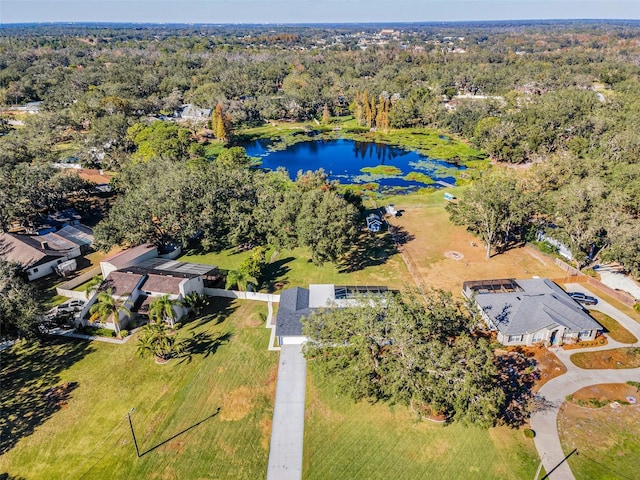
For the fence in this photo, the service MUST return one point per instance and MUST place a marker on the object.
(576, 276)
(67, 288)
(261, 297)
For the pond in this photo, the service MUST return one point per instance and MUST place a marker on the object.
(375, 166)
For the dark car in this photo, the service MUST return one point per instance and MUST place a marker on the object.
(583, 299)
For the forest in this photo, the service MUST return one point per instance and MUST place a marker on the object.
(555, 106)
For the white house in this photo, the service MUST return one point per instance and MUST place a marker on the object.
(35, 254)
(527, 312)
(297, 303)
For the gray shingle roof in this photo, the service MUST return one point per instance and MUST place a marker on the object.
(294, 305)
(541, 304)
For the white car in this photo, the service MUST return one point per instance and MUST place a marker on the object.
(71, 306)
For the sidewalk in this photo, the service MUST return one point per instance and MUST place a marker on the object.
(287, 434)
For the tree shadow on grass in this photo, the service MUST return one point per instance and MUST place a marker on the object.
(370, 250)
(216, 312)
(274, 274)
(202, 343)
(31, 388)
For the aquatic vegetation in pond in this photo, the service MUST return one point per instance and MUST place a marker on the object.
(419, 177)
(383, 170)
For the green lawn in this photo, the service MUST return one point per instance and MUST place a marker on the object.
(614, 329)
(80, 430)
(363, 441)
(378, 265)
(607, 441)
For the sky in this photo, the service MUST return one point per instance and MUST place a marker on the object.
(309, 11)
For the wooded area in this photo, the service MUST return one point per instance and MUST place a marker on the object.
(559, 99)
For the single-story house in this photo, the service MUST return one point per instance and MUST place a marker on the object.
(192, 113)
(35, 254)
(528, 312)
(126, 258)
(297, 303)
(138, 276)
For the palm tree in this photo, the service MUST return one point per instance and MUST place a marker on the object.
(154, 339)
(241, 280)
(161, 309)
(196, 302)
(107, 306)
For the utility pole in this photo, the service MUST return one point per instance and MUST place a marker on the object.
(575, 450)
(133, 434)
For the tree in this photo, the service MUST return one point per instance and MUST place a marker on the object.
(326, 117)
(493, 207)
(19, 307)
(326, 224)
(255, 265)
(196, 302)
(155, 339)
(241, 280)
(105, 307)
(162, 309)
(416, 350)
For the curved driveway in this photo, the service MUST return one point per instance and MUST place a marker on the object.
(544, 421)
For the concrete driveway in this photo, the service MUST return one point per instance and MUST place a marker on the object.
(287, 432)
(545, 421)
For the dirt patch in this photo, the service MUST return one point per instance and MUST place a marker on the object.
(595, 396)
(265, 430)
(430, 233)
(616, 358)
(548, 365)
(237, 404)
(453, 255)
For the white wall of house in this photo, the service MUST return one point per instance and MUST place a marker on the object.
(190, 285)
(107, 267)
(45, 269)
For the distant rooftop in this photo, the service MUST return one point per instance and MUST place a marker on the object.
(121, 259)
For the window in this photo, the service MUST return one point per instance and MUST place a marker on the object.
(586, 334)
(514, 338)
(35, 270)
(538, 337)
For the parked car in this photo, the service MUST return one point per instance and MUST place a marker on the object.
(583, 299)
(71, 306)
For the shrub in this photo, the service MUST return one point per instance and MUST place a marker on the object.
(529, 433)
(636, 307)
(123, 333)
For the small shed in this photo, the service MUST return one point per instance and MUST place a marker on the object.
(374, 222)
(391, 210)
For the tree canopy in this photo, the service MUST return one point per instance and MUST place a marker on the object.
(415, 350)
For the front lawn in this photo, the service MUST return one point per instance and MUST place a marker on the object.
(613, 328)
(606, 438)
(343, 439)
(206, 414)
(614, 358)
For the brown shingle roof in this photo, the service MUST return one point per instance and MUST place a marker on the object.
(121, 283)
(121, 259)
(162, 284)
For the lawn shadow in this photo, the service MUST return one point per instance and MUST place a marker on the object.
(371, 249)
(31, 385)
(216, 312)
(274, 273)
(180, 433)
(201, 343)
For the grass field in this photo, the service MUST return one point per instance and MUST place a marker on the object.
(64, 405)
(615, 358)
(351, 440)
(614, 329)
(606, 439)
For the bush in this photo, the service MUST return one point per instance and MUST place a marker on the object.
(123, 333)
(636, 307)
(529, 433)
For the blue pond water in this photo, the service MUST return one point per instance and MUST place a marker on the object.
(344, 159)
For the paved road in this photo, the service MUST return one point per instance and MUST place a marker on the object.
(545, 422)
(287, 432)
